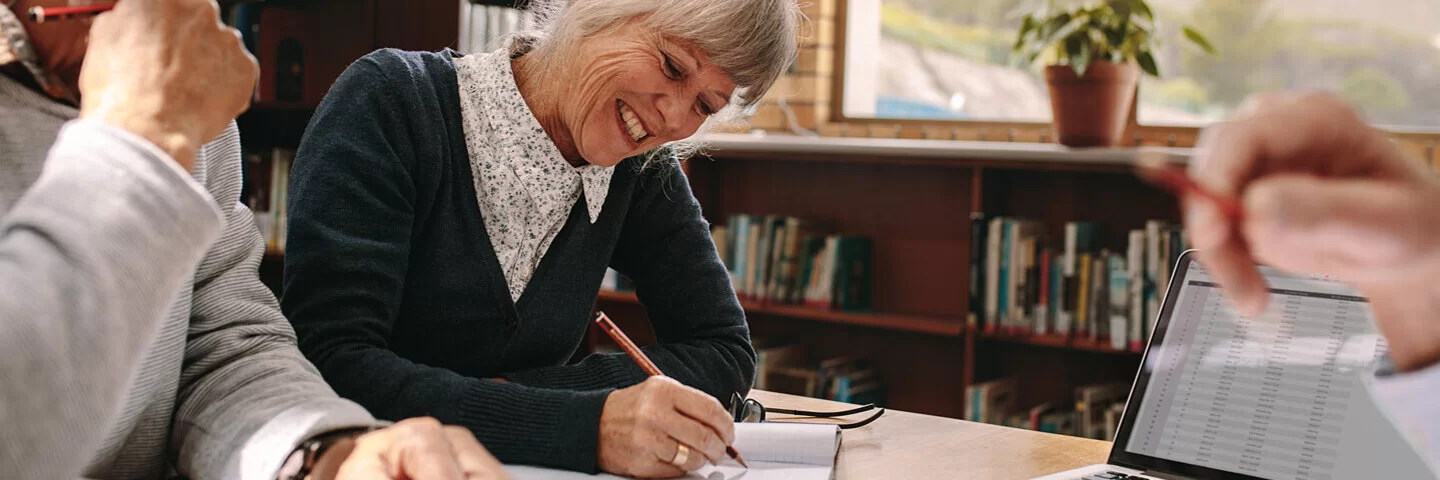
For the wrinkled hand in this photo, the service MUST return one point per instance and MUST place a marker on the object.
(643, 426)
(416, 448)
(168, 71)
(1323, 193)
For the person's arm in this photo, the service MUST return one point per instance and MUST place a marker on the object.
(90, 259)
(1324, 193)
(666, 248)
(352, 209)
(247, 396)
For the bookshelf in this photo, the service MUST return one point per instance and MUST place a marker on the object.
(913, 199)
(1052, 341)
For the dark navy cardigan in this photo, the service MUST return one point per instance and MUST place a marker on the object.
(397, 297)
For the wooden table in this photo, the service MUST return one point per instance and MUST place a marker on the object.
(903, 445)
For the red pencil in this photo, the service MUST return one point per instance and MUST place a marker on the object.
(44, 14)
(645, 364)
(1173, 177)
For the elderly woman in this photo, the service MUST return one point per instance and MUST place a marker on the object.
(451, 219)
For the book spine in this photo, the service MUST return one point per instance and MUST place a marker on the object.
(802, 274)
(992, 273)
(839, 280)
(1136, 263)
(853, 275)
(1025, 318)
(1120, 299)
(1153, 270)
(1162, 281)
(1042, 309)
(777, 261)
(1065, 308)
(826, 298)
(811, 273)
(1082, 295)
(978, 245)
(1057, 295)
(1006, 283)
(1098, 301)
(762, 258)
(742, 254)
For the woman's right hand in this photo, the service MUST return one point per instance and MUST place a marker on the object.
(1323, 193)
(642, 427)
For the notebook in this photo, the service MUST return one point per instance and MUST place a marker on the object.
(775, 451)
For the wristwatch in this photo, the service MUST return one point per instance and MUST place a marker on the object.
(302, 461)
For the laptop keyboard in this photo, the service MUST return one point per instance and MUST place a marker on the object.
(1110, 476)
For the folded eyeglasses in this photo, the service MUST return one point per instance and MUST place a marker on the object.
(750, 410)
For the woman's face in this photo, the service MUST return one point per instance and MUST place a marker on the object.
(638, 90)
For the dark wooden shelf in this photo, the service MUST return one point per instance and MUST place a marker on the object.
(889, 321)
(1053, 341)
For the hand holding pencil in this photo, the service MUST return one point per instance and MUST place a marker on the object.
(1322, 193)
(660, 427)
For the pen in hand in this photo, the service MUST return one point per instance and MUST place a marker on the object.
(645, 364)
(1154, 169)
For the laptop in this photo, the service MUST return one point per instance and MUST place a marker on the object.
(1278, 396)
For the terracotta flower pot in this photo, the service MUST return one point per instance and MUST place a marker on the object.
(1090, 111)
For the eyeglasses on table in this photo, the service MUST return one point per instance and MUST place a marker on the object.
(750, 410)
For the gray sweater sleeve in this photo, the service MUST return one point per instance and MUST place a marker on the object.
(90, 259)
(247, 396)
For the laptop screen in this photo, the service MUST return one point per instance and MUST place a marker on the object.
(1278, 396)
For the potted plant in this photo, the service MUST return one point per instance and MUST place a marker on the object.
(1095, 53)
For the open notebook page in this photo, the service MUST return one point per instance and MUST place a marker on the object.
(775, 451)
(803, 443)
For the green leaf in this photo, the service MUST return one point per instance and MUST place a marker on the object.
(1026, 26)
(1122, 8)
(1116, 36)
(1047, 30)
(1068, 29)
(1080, 58)
(1147, 63)
(1142, 8)
(1198, 39)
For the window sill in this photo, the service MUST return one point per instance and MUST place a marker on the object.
(929, 152)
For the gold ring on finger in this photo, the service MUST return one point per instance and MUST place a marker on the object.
(682, 455)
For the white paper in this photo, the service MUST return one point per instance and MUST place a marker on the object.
(757, 471)
(774, 451)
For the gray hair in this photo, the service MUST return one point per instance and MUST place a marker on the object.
(752, 41)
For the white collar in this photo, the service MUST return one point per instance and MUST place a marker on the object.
(517, 137)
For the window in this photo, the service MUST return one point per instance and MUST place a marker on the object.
(950, 59)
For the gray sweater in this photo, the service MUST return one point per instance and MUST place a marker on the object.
(136, 339)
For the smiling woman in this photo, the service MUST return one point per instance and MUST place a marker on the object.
(637, 89)
(452, 216)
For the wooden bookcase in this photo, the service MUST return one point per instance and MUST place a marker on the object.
(914, 198)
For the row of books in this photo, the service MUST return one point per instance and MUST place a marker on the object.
(266, 182)
(789, 260)
(784, 366)
(1026, 281)
(1095, 414)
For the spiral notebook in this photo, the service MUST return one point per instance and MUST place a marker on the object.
(775, 451)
